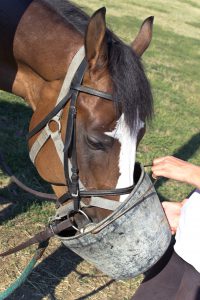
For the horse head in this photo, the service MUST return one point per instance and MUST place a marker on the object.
(108, 132)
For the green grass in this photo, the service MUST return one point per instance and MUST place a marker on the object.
(194, 24)
(172, 65)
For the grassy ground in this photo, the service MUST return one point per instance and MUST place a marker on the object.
(172, 65)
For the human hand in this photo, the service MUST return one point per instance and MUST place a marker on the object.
(175, 168)
(173, 212)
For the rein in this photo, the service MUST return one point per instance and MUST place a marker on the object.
(21, 185)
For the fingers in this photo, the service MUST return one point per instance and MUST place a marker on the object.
(172, 207)
(172, 211)
(157, 168)
(177, 169)
(167, 166)
(158, 171)
(159, 160)
(154, 176)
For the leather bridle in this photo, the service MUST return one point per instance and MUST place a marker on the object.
(70, 153)
(63, 219)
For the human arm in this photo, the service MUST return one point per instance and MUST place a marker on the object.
(175, 168)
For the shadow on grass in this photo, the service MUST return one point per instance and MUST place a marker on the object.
(14, 120)
(47, 276)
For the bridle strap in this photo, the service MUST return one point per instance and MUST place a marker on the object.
(91, 91)
(70, 141)
(48, 118)
(99, 193)
(95, 193)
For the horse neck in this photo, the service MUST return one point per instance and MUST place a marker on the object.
(43, 46)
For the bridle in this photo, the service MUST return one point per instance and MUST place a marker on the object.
(71, 170)
(64, 218)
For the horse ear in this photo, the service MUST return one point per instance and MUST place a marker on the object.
(95, 41)
(143, 39)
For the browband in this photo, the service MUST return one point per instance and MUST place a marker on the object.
(91, 91)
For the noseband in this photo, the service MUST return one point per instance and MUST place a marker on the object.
(68, 152)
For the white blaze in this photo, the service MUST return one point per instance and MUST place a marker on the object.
(127, 153)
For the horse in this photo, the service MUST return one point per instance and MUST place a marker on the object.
(38, 40)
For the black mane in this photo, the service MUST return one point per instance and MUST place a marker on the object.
(132, 93)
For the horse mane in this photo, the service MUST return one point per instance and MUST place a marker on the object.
(131, 93)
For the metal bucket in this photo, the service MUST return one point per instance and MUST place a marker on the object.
(130, 240)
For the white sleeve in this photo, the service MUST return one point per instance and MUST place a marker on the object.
(187, 244)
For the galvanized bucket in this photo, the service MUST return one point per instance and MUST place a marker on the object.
(132, 239)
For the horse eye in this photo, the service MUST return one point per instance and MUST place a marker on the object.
(95, 144)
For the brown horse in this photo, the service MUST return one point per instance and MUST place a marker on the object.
(38, 40)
